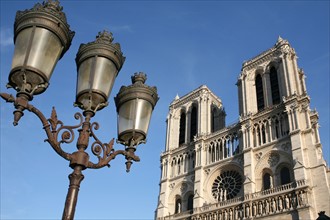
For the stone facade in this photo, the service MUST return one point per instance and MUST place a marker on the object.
(267, 165)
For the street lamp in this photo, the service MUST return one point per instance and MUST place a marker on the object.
(42, 36)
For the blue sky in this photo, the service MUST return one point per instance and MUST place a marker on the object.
(180, 45)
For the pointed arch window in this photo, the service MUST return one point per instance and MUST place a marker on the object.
(260, 93)
(277, 129)
(285, 175)
(274, 86)
(190, 202)
(178, 205)
(179, 166)
(263, 133)
(182, 132)
(215, 119)
(193, 124)
(266, 181)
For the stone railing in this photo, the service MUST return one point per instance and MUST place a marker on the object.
(182, 215)
(270, 202)
(276, 190)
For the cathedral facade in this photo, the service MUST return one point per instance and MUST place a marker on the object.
(268, 165)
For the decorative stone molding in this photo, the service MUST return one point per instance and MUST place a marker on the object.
(202, 90)
(258, 156)
(184, 187)
(273, 159)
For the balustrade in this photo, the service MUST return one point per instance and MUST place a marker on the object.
(273, 201)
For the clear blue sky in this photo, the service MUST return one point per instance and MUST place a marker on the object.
(180, 45)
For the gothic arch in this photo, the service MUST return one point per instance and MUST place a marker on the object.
(178, 204)
(259, 89)
(274, 63)
(182, 127)
(267, 178)
(274, 85)
(180, 191)
(270, 161)
(189, 200)
(193, 109)
(278, 173)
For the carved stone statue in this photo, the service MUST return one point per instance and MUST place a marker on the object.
(225, 215)
(260, 209)
(221, 195)
(266, 206)
(247, 211)
(294, 201)
(301, 198)
(287, 202)
(254, 209)
(179, 207)
(273, 205)
(280, 204)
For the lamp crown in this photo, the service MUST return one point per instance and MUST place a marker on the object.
(49, 15)
(104, 37)
(49, 6)
(53, 6)
(102, 46)
(139, 78)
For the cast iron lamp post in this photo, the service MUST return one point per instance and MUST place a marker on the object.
(42, 36)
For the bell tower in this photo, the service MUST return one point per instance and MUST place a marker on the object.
(267, 165)
(277, 123)
(190, 118)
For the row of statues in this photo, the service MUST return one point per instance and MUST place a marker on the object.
(267, 206)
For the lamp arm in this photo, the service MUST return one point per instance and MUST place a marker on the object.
(52, 133)
(49, 125)
(106, 158)
(105, 152)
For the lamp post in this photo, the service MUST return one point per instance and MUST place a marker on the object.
(42, 36)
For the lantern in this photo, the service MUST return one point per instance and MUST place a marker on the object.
(135, 104)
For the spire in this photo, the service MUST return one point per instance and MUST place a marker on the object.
(280, 41)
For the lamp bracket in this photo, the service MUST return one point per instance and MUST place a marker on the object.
(58, 133)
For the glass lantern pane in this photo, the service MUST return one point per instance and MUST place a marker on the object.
(143, 115)
(21, 46)
(104, 76)
(45, 51)
(126, 116)
(134, 114)
(83, 81)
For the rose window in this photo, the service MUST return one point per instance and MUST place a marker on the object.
(227, 185)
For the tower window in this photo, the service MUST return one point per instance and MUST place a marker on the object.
(190, 202)
(193, 125)
(178, 206)
(214, 118)
(285, 175)
(274, 86)
(182, 128)
(277, 129)
(260, 93)
(266, 180)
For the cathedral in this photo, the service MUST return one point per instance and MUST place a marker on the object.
(267, 165)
